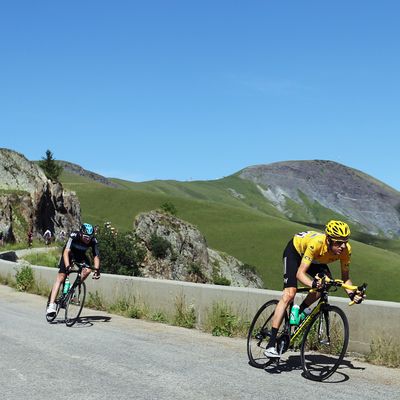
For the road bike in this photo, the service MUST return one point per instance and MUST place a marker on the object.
(322, 337)
(73, 300)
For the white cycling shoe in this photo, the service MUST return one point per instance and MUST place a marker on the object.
(271, 353)
(52, 308)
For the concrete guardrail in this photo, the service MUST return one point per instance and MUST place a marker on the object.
(370, 320)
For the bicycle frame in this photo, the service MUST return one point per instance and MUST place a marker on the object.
(323, 301)
(300, 330)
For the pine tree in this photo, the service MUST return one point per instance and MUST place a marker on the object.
(49, 166)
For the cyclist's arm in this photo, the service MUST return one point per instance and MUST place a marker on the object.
(345, 270)
(302, 273)
(96, 254)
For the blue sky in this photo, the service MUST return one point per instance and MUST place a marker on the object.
(197, 90)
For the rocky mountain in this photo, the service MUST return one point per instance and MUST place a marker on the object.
(177, 250)
(28, 200)
(314, 191)
(78, 170)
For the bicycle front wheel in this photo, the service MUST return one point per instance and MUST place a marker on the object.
(324, 343)
(259, 335)
(75, 301)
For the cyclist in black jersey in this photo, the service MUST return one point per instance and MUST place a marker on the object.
(75, 250)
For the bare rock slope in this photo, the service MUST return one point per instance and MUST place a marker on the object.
(322, 188)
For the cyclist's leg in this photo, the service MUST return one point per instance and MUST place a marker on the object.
(86, 271)
(291, 262)
(62, 273)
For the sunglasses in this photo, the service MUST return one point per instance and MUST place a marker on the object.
(338, 242)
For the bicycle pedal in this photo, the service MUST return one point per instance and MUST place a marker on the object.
(325, 341)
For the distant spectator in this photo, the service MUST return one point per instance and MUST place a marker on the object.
(30, 238)
(1, 238)
(47, 237)
(62, 236)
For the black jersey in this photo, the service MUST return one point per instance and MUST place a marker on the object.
(79, 249)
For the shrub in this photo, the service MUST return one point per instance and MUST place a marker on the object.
(24, 278)
(221, 280)
(169, 208)
(247, 269)
(194, 269)
(119, 253)
(159, 246)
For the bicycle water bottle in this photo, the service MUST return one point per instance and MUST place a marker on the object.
(67, 285)
(294, 315)
(305, 314)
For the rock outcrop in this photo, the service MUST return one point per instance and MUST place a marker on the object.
(28, 200)
(177, 250)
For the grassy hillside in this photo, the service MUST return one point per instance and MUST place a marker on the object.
(228, 191)
(253, 232)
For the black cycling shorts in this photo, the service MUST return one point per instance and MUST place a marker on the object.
(291, 263)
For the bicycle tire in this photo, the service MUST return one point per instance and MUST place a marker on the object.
(51, 318)
(259, 335)
(324, 343)
(75, 302)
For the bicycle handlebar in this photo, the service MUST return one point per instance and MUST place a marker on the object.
(328, 282)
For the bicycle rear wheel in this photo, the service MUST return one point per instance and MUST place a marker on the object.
(324, 343)
(260, 333)
(75, 301)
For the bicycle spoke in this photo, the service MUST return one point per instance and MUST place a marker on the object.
(75, 301)
(325, 343)
(259, 335)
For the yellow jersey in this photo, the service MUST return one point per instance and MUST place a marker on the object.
(313, 248)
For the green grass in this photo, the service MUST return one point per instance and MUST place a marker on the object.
(48, 259)
(248, 228)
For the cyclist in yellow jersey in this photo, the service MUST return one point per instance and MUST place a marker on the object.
(306, 255)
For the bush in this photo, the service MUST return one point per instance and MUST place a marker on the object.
(159, 246)
(119, 253)
(169, 208)
(25, 279)
(194, 269)
(221, 280)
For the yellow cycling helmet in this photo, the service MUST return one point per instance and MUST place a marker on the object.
(337, 230)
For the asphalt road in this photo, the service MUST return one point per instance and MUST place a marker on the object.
(110, 357)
